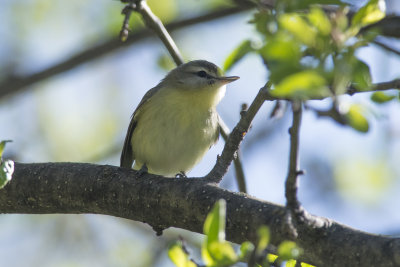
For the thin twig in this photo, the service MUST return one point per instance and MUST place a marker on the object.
(333, 113)
(236, 137)
(388, 26)
(395, 84)
(153, 22)
(240, 178)
(127, 11)
(382, 86)
(292, 202)
(351, 90)
(386, 47)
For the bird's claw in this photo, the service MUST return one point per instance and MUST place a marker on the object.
(143, 170)
(181, 174)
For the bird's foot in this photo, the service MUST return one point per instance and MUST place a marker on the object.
(143, 170)
(181, 174)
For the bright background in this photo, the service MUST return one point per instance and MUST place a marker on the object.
(82, 115)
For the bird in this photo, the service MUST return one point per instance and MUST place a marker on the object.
(176, 122)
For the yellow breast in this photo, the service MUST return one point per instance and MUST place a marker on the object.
(175, 128)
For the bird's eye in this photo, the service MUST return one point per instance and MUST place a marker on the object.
(202, 74)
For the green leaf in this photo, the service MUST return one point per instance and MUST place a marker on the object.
(281, 70)
(320, 20)
(215, 250)
(263, 238)
(299, 28)
(206, 256)
(165, 62)
(178, 256)
(361, 76)
(221, 253)
(261, 20)
(372, 12)
(342, 23)
(288, 250)
(290, 263)
(381, 97)
(245, 250)
(271, 257)
(3, 145)
(214, 226)
(237, 54)
(281, 48)
(356, 119)
(6, 171)
(303, 85)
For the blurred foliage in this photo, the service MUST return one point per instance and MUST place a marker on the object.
(62, 129)
(356, 119)
(3, 145)
(370, 13)
(312, 54)
(364, 180)
(288, 250)
(39, 13)
(165, 62)
(166, 10)
(179, 256)
(195, 7)
(244, 48)
(217, 252)
(6, 166)
(381, 97)
(6, 171)
(78, 24)
(313, 46)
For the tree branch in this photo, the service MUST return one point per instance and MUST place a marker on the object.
(236, 137)
(154, 23)
(237, 163)
(382, 86)
(386, 47)
(351, 90)
(389, 26)
(73, 188)
(291, 185)
(294, 209)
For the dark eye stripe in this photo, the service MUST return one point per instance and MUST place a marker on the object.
(202, 74)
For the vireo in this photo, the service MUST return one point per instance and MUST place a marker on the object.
(176, 122)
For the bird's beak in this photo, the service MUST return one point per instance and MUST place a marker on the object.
(228, 79)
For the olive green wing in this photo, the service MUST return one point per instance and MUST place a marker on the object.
(127, 155)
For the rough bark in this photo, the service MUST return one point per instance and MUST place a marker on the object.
(184, 203)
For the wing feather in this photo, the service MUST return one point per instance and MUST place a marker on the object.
(127, 155)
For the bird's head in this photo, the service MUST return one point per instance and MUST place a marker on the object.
(197, 75)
